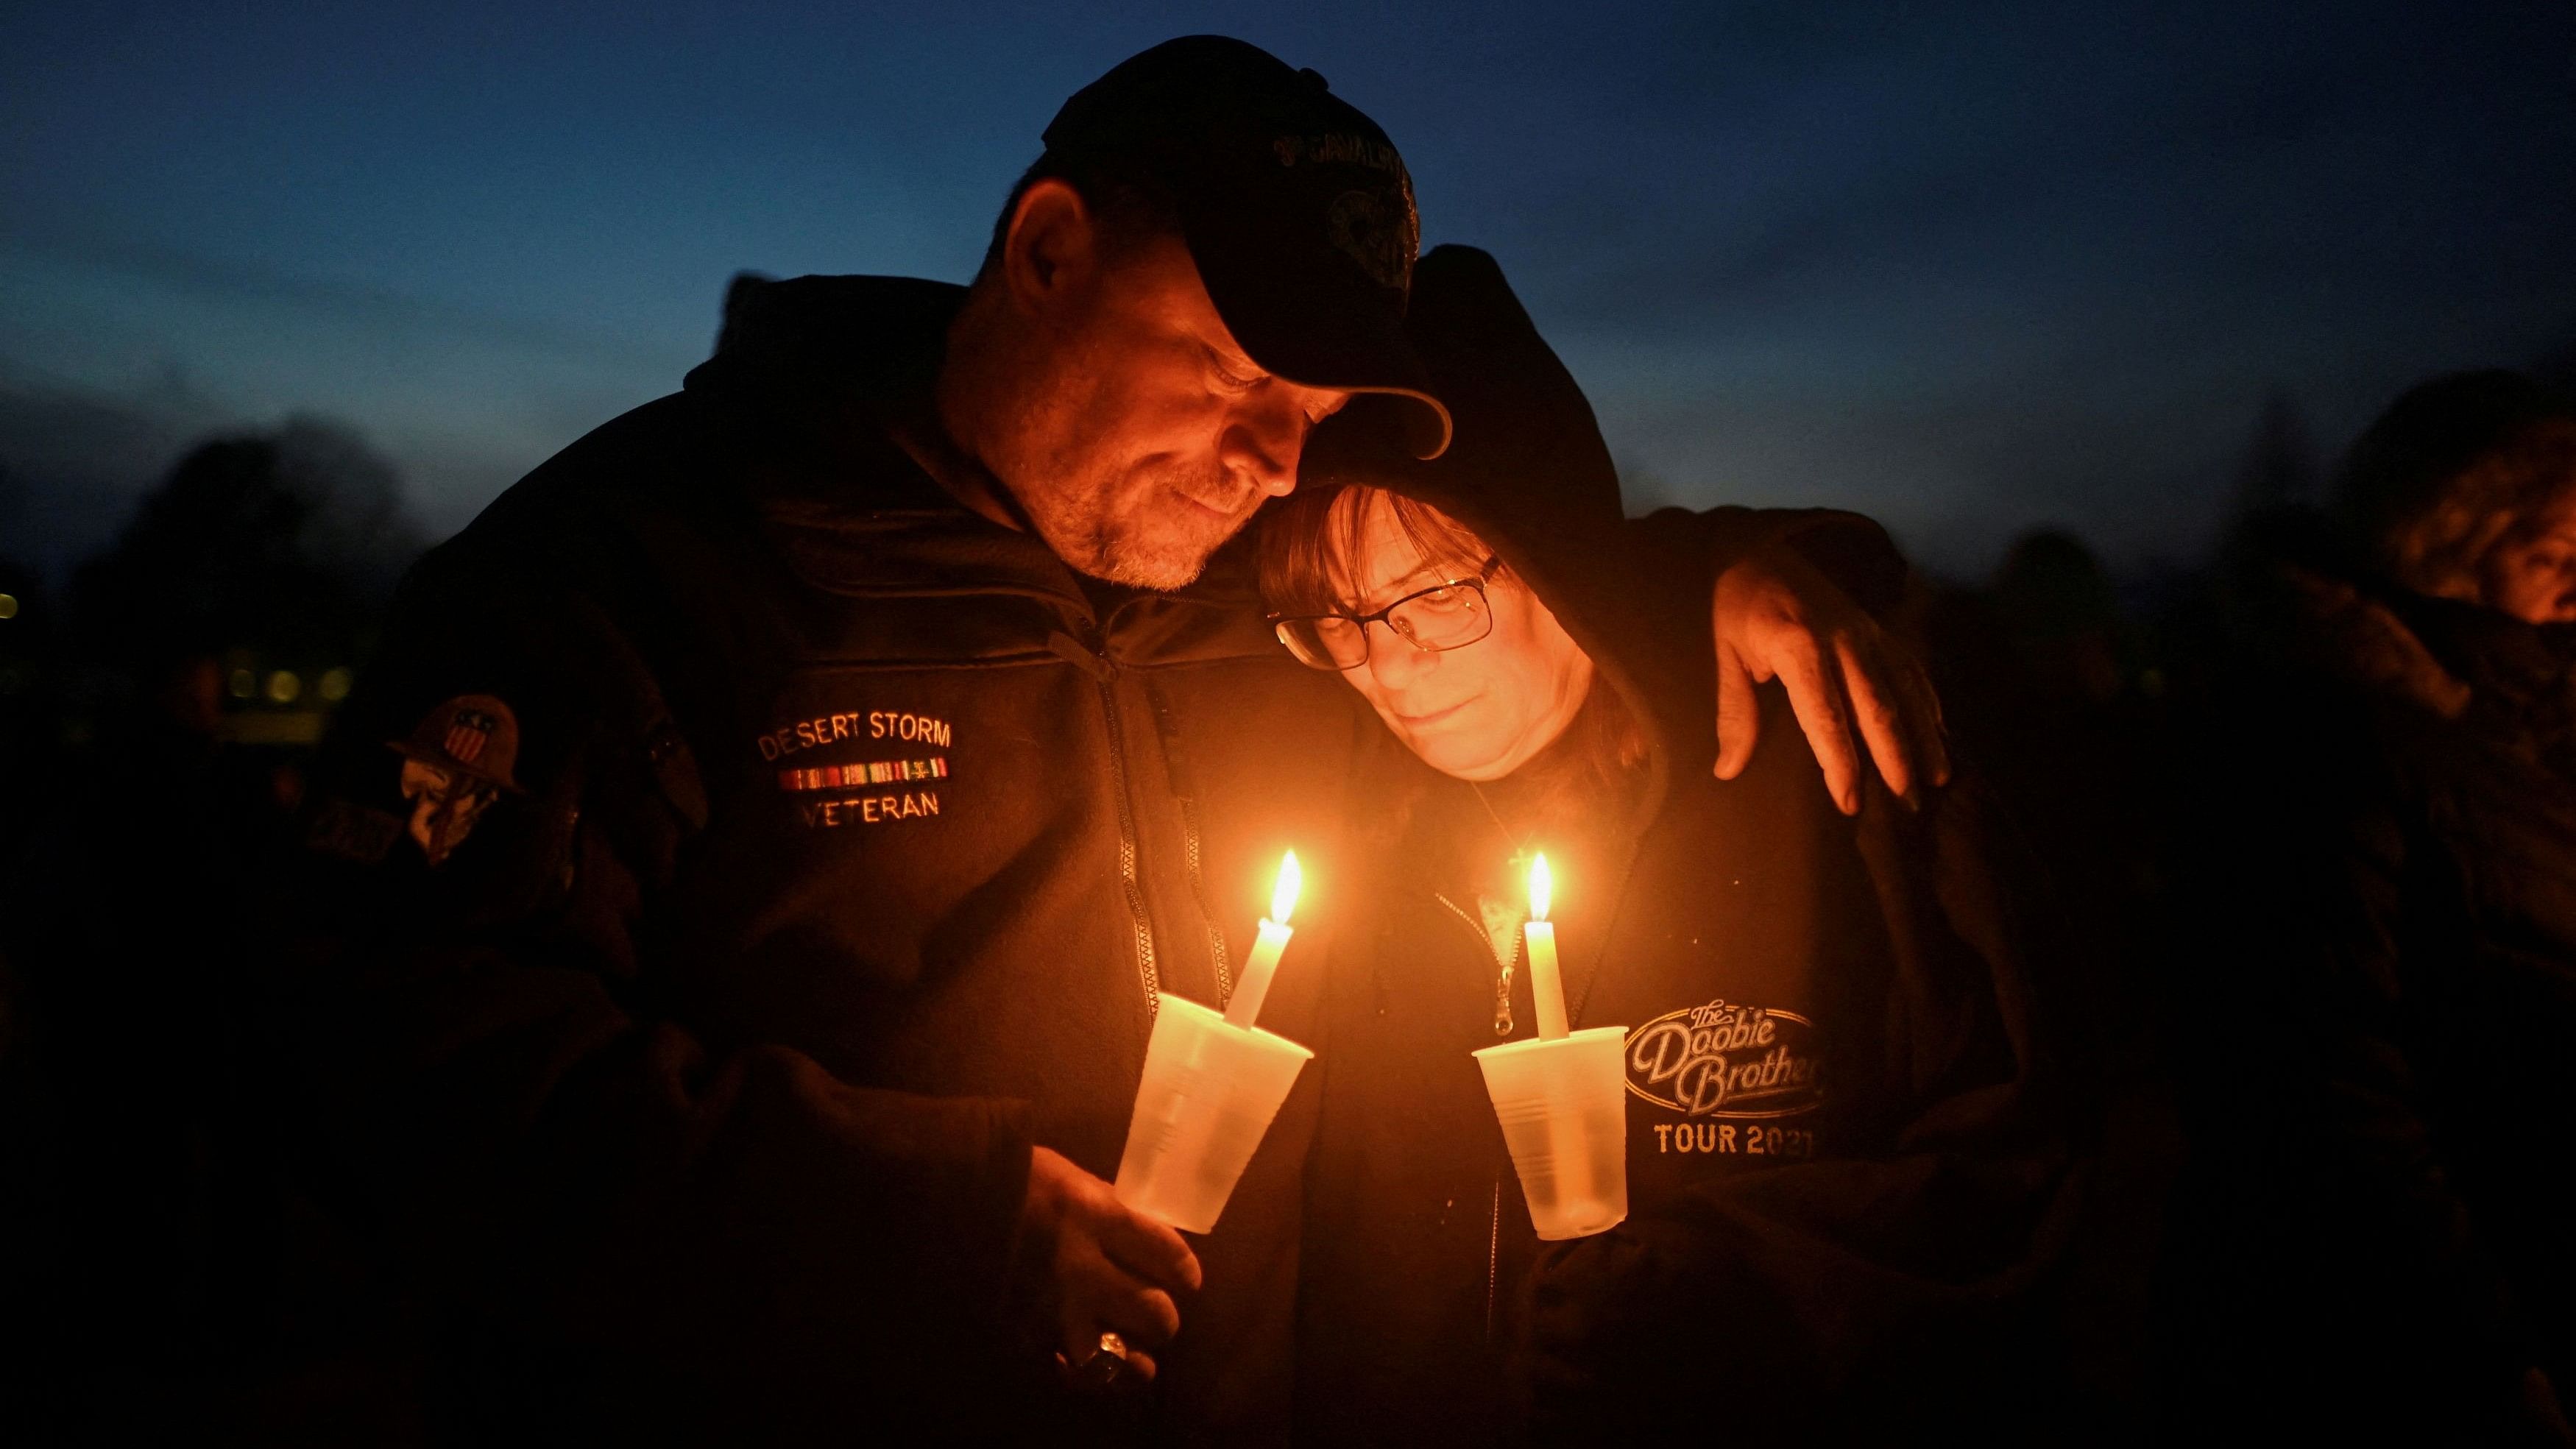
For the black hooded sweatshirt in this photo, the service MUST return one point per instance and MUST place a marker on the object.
(840, 846)
(849, 845)
(1845, 1180)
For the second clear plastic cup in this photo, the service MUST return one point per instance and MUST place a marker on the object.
(1209, 1093)
(1563, 1106)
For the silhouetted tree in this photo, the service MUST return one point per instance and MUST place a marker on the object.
(290, 540)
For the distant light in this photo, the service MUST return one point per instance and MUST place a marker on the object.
(283, 686)
(8, 606)
(244, 684)
(335, 684)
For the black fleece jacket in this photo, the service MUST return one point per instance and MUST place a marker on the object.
(854, 840)
(845, 845)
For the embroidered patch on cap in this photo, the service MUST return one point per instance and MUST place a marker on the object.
(1376, 233)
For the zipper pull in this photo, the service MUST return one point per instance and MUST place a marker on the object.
(1073, 651)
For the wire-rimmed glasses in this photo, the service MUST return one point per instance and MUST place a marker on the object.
(1448, 615)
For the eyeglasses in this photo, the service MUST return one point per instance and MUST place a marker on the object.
(1444, 616)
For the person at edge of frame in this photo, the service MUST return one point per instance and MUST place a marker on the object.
(748, 876)
(2370, 1240)
(1849, 1173)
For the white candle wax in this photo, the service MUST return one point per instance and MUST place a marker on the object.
(1547, 989)
(1245, 1005)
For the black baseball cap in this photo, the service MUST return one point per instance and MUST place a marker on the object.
(1295, 206)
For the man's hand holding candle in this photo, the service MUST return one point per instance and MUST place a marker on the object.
(1112, 1269)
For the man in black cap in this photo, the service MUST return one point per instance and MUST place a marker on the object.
(887, 745)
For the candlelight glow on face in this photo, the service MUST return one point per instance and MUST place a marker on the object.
(1245, 1005)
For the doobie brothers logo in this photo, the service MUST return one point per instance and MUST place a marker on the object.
(1726, 1059)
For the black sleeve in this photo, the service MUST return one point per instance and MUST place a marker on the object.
(1849, 548)
(2333, 916)
(565, 1163)
(1871, 1292)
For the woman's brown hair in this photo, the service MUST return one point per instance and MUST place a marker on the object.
(2457, 467)
(2442, 544)
(1314, 537)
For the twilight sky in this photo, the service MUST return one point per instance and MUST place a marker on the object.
(1967, 266)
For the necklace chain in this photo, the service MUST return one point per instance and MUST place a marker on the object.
(1520, 843)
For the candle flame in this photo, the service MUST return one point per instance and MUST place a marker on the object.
(1542, 885)
(1283, 896)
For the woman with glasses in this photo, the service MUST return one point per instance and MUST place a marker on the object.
(1842, 1183)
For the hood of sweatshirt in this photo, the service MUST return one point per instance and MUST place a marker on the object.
(1528, 472)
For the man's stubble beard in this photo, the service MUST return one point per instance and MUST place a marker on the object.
(1119, 519)
(1140, 529)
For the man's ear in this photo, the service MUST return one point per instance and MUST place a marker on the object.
(1052, 252)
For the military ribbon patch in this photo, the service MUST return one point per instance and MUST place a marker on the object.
(873, 772)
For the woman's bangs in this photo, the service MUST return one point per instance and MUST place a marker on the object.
(1445, 544)
(1296, 552)
(1309, 539)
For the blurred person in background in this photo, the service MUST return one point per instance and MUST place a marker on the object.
(2059, 701)
(2377, 1023)
(168, 1271)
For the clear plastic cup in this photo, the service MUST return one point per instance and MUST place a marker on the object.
(1564, 1109)
(1209, 1093)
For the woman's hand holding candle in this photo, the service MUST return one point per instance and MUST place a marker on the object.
(1547, 989)
(1242, 1008)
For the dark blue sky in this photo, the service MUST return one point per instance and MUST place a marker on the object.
(1967, 266)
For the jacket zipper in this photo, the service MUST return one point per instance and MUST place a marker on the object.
(1198, 892)
(1503, 978)
(1186, 793)
(1104, 673)
(1127, 877)
(1502, 1027)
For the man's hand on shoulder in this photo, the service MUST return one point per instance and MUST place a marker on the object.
(1776, 616)
(1113, 1269)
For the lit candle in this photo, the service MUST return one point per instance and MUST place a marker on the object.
(1547, 989)
(1245, 1004)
